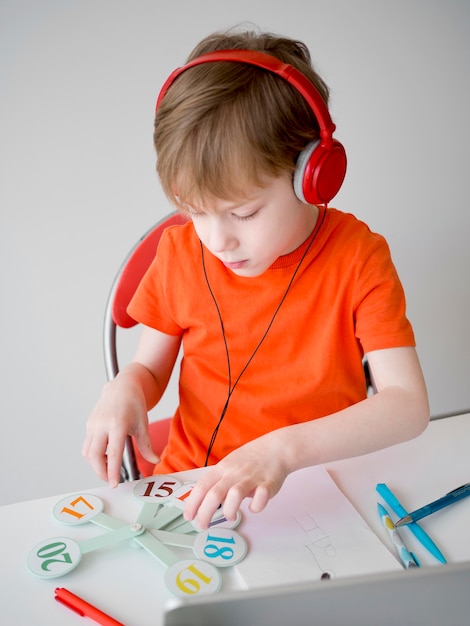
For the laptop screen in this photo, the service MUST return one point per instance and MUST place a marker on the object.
(434, 595)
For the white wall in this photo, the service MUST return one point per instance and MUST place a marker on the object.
(78, 81)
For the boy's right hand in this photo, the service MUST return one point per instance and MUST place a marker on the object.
(120, 411)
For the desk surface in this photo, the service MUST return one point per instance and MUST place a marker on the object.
(418, 471)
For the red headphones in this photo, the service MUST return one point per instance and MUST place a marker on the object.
(321, 166)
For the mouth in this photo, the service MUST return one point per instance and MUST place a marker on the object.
(235, 265)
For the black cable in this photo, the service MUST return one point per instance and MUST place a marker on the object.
(231, 388)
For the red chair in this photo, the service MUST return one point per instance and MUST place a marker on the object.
(135, 265)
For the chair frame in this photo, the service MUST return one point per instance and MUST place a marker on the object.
(143, 247)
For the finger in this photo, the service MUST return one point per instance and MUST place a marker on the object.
(260, 498)
(85, 447)
(94, 450)
(194, 500)
(234, 497)
(203, 501)
(144, 444)
(114, 461)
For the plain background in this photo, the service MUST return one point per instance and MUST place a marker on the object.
(78, 83)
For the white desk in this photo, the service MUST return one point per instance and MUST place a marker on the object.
(128, 583)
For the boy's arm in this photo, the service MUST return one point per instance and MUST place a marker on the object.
(397, 412)
(124, 404)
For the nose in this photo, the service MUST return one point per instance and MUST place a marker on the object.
(219, 235)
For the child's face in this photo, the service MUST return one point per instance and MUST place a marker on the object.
(248, 237)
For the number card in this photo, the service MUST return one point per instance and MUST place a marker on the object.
(222, 547)
(181, 494)
(156, 489)
(190, 578)
(54, 557)
(78, 509)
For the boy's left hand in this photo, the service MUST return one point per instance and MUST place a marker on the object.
(255, 470)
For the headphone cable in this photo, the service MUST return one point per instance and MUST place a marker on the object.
(231, 388)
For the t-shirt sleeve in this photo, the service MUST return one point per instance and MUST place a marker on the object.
(380, 304)
(150, 304)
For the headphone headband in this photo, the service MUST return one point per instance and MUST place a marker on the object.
(323, 163)
(272, 64)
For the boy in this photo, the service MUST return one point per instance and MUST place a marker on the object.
(275, 298)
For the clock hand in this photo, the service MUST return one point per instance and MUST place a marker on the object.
(121, 534)
(106, 521)
(164, 517)
(218, 519)
(148, 513)
(60, 555)
(174, 539)
(157, 549)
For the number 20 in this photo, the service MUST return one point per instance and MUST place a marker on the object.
(51, 550)
(54, 557)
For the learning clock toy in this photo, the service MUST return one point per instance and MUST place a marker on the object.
(159, 526)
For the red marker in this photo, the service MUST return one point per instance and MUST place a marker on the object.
(83, 608)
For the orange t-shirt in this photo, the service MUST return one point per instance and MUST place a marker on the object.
(346, 300)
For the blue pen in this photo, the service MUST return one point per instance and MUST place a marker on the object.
(417, 531)
(453, 496)
(406, 557)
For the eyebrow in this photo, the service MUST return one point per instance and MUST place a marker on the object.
(243, 203)
(226, 209)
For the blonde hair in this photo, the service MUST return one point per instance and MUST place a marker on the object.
(223, 127)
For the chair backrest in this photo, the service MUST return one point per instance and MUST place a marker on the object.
(123, 288)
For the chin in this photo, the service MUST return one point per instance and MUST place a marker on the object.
(249, 272)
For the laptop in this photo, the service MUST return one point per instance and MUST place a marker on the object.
(434, 595)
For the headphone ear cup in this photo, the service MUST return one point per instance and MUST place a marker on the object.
(319, 172)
